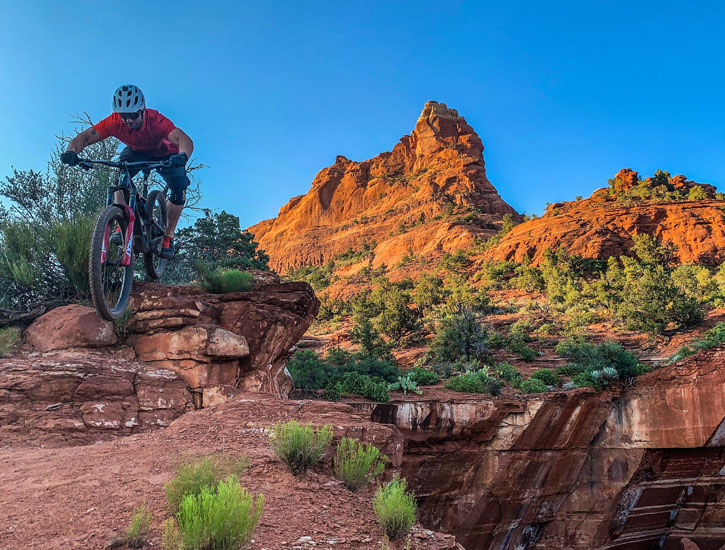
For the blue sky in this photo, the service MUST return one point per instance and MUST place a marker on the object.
(563, 94)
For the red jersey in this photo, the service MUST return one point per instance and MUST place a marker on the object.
(151, 139)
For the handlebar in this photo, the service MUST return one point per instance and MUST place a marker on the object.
(143, 165)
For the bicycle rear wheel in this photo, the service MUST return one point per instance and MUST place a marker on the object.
(110, 281)
(156, 215)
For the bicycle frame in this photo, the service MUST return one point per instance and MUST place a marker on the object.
(129, 209)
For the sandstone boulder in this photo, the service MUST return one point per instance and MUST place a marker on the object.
(72, 326)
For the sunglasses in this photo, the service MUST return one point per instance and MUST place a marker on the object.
(131, 116)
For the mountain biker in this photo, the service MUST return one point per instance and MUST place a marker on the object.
(148, 135)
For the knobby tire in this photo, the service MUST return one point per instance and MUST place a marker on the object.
(154, 264)
(109, 297)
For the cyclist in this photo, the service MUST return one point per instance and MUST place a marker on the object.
(148, 135)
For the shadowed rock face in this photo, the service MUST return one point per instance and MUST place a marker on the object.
(351, 203)
(639, 469)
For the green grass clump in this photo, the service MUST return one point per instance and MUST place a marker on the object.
(193, 476)
(9, 340)
(395, 508)
(221, 281)
(300, 446)
(220, 518)
(357, 463)
(138, 531)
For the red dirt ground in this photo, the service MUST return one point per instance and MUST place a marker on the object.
(83, 497)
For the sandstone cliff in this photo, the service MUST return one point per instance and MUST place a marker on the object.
(601, 226)
(354, 203)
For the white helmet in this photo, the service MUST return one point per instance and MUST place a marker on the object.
(128, 99)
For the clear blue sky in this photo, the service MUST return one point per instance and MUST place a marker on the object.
(563, 94)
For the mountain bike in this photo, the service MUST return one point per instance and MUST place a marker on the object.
(122, 232)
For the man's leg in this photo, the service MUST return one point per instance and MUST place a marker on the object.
(178, 181)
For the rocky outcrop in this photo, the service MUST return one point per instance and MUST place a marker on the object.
(352, 203)
(241, 339)
(73, 398)
(72, 326)
(640, 468)
(599, 227)
(75, 383)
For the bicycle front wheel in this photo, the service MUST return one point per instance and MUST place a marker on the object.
(110, 281)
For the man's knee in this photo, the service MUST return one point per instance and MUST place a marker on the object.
(177, 197)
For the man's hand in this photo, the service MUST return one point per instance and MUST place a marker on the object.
(178, 159)
(70, 158)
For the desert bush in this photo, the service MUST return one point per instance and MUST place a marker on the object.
(597, 357)
(300, 446)
(460, 336)
(423, 377)
(371, 344)
(222, 518)
(497, 274)
(547, 376)
(533, 385)
(516, 344)
(507, 372)
(395, 508)
(697, 193)
(429, 292)
(308, 370)
(224, 281)
(138, 531)
(9, 340)
(528, 277)
(475, 382)
(193, 475)
(171, 538)
(374, 389)
(357, 463)
(605, 376)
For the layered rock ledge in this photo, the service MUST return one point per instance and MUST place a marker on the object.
(641, 468)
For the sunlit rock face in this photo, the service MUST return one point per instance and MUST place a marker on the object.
(354, 203)
(638, 468)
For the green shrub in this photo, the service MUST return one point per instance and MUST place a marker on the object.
(596, 357)
(222, 518)
(357, 463)
(585, 379)
(9, 340)
(138, 531)
(193, 475)
(395, 508)
(571, 369)
(605, 376)
(475, 382)
(507, 372)
(224, 281)
(533, 385)
(547, 376)
(308, 370)
(423, 377)
(516, 345)
(300, 446)
(459, 337)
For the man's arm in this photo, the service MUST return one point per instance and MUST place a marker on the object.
(178, 137)
(87, 137)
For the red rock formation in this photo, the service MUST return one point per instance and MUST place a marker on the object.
(241, 339)
(599, 228)
(352, 203)
(638, 469)
(76, 398)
